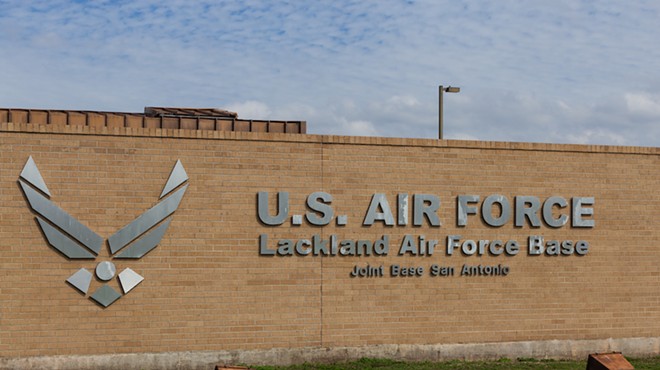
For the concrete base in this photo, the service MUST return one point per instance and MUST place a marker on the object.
(554, 349)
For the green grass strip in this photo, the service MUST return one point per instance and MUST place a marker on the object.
(502, 364)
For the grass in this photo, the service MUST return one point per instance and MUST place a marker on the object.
(502, 364)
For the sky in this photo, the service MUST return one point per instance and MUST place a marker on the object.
(560, 71)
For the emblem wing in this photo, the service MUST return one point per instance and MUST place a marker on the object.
(143, 226)
(68, 234)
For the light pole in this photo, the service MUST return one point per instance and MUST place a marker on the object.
(441, 90)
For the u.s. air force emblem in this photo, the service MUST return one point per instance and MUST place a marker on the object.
(76, 241)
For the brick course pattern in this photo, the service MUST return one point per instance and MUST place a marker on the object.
(206, 287)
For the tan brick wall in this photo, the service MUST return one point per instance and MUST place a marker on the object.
(206, 288)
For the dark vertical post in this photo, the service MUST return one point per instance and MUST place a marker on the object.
(440, 91)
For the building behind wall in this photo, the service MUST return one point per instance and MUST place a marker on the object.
(216, 288)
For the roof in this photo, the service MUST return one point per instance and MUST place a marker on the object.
(188, 112)
(153, 117)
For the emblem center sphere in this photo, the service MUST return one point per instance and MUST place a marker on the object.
(105, 270)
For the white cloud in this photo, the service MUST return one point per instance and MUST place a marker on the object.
(358, 128)
(461, 136)
(643, 104)
(251, 110)
(595, 136)
(48, 40)
(403, 101)
(301, 112)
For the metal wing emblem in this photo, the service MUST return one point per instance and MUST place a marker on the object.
(76, 241)
(73, 235)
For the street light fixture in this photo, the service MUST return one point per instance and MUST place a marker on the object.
(441, 91)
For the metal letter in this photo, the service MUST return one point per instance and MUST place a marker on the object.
(453, 242)
(402, 216)
(263, 246)
(282, 208)
(581, 247)
(300, 244)
(579, 211)
(531, 212)
(379, 201)
(535, 245)
(512, 248)
(487, 210)
(547, 212)
(464, 209)
(426, 204)
(321, 207)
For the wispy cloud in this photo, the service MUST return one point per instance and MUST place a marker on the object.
(566, 71)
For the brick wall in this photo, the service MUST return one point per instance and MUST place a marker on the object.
(207, 288)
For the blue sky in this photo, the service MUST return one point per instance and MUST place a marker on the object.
(543, 71)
